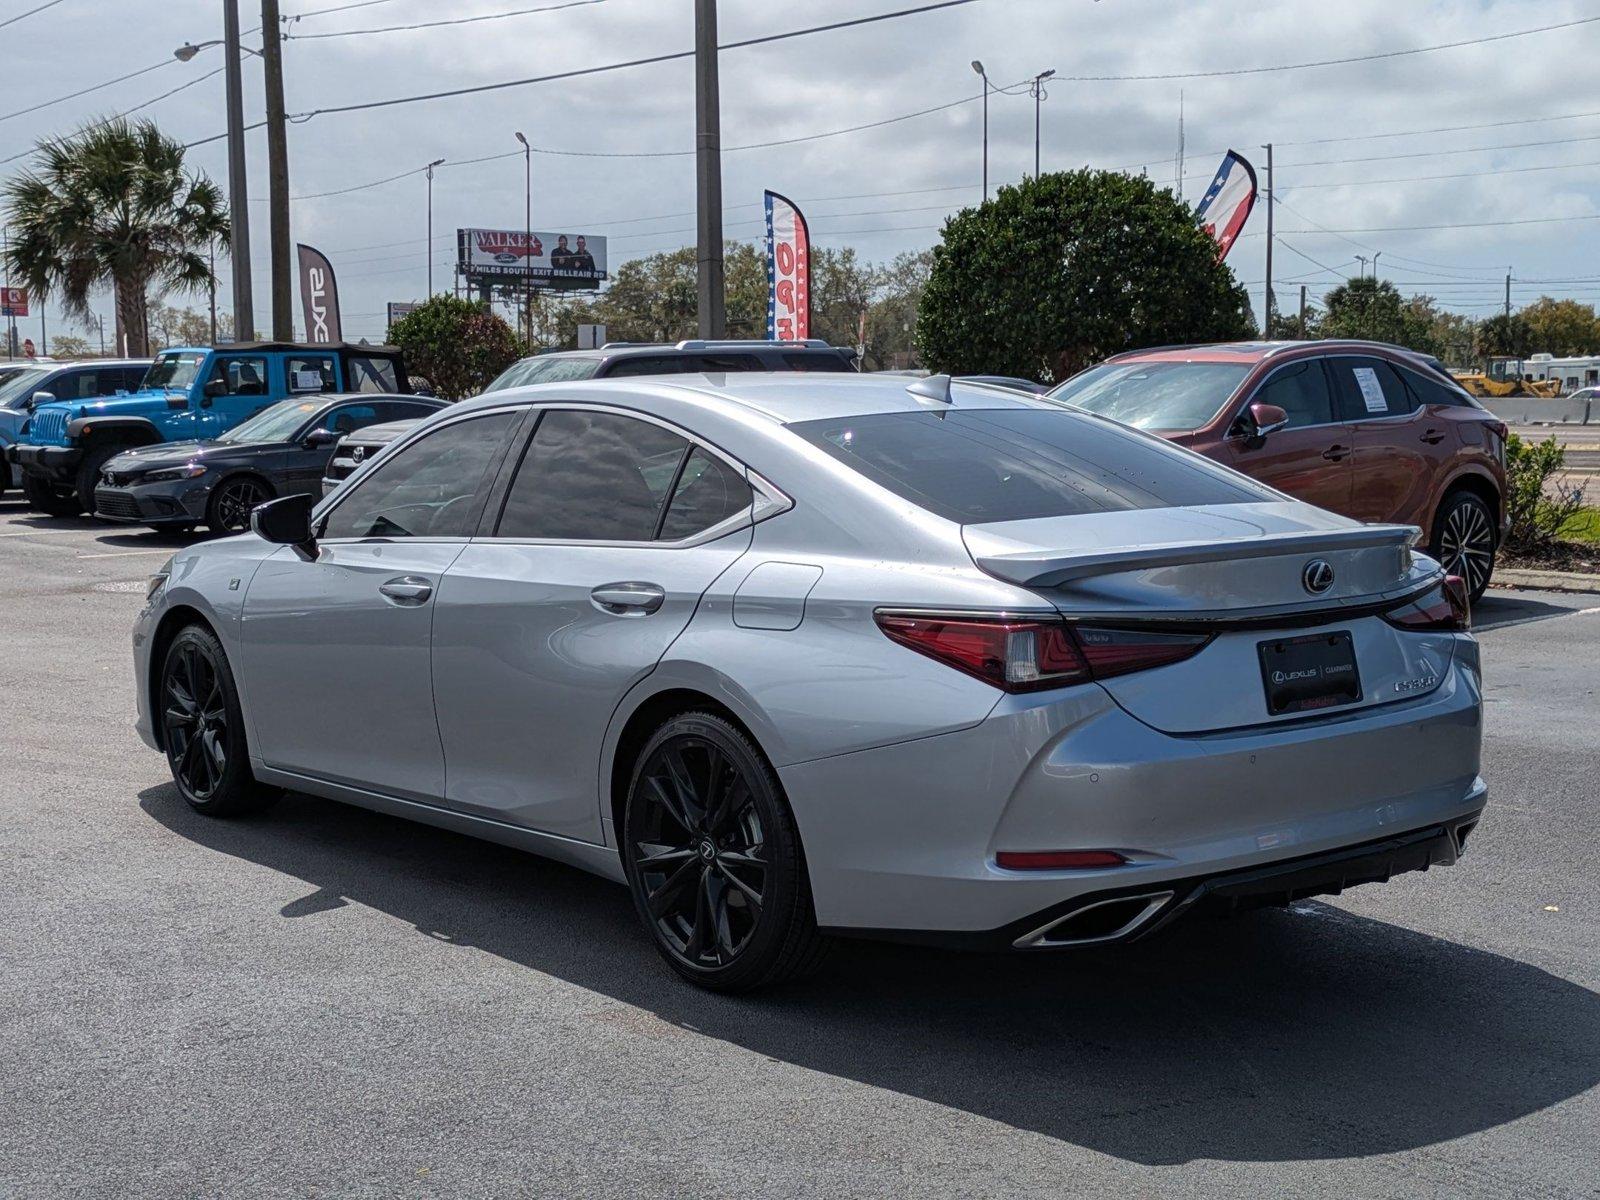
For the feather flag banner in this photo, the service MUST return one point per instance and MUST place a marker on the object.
(788, 271)
(1227, 203)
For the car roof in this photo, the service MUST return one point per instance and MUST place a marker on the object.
(1254, 352)
(58, 365)
(308, 347)
(783, 397)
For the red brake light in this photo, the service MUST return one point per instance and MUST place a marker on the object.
(1057, 860)
(1028, 655)
(1447, 607)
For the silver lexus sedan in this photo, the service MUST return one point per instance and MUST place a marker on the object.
(795, 656)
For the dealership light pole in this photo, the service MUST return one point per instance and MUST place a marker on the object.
(527, 235)
(435, 163)
(712, 301)
(1272, 196)
(1038, 95)
(978, 67)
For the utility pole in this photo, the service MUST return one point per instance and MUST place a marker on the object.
(712, 305)
(1508, 293)
(984, 75)
(244, 317)
(211, 286)
(1266, 324)
(277, 173)
(527, 240)
(1302, 312)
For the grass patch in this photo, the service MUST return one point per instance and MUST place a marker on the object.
(1582, 526)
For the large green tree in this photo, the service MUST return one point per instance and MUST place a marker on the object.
(1503, 335)
(1373, 310)
(112, 206)
(1562, 327)
(1057, 272)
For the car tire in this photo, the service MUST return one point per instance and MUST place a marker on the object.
(202, 728)
(49, 498)
(1465, 541)
(714, 861)
(88, 478)
(228, 509)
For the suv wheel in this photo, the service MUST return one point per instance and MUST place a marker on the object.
(1464, 541)
(713, 859)
(51, 498)
(202, 727)
(94, 459)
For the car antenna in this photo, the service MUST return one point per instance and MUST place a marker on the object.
(934, 387)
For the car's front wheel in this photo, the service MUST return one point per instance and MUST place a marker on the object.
(1464, 541)
(202, 727)
(714, 860)
(53, 499)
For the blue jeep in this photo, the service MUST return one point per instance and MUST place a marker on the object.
(24, 384)
(188, 394)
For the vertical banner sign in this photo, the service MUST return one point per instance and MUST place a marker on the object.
(319, 297)
(1227, 203)
(788, 271)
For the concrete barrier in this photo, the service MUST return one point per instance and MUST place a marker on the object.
(1540, 410)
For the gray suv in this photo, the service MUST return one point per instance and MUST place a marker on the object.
(615, 360)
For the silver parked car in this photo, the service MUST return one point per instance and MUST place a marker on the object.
(805, 655)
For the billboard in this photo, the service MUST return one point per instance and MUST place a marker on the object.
(401, 308)
(555, 260)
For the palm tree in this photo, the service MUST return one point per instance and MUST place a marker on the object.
(111, 206)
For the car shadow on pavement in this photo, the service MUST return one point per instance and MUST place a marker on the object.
(1505, 609)
(1277, 1036)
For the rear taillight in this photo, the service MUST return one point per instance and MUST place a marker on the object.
(1021, 655)
(1446, 607)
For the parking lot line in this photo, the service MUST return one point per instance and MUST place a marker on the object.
(126, 553)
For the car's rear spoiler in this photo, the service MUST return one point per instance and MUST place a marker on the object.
(1052, 568)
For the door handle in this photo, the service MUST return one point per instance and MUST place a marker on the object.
(1335, 453)
(628, 599)
(1433, 437)
(407, 589)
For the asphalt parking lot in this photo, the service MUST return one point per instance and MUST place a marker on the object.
(325, 1001)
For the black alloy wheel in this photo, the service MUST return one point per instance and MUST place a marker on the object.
(1464, 541)
(202, 728)
(713, 859)
(233, 501)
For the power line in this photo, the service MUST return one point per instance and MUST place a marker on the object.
(127, 112)
(336, 8)
(29, 13)
(22, 112)
(1328, 162)
(500, 16)
(1458, 225)
(1364, 137)
(1328, 62)
(1455, 175)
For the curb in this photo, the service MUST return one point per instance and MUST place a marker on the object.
(1546, 581)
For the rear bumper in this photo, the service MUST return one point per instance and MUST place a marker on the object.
(901, 840)
(50, 462)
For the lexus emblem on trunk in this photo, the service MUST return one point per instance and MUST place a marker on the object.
(1318, 576)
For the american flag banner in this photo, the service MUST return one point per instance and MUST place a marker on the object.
(788, 271)
(1227, 203)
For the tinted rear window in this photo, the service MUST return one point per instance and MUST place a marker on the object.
(976, 466)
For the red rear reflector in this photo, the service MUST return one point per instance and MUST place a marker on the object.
(1023, 655)
(1447, 607)
(1057, 860)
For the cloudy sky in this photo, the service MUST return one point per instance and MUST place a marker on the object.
(1371, 150)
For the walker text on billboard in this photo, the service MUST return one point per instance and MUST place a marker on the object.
(550, 258)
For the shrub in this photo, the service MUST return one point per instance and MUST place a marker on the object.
(1538, 498)
(459, 346)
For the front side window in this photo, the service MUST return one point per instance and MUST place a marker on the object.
(429, 489)
(1154, 395)
(276, 423)
(592, 477)
(241, 376)
(980, 465)
(1301, 390)
(371, 374)
(310, 373)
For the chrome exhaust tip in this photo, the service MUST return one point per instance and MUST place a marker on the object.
(1097, 922)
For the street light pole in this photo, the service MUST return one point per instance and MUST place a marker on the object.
(1272, 197)
(277, 174)
(978, 67)
(709, 278)
(244, 317)
(436, 162)
(1038, 95)
(527, 239)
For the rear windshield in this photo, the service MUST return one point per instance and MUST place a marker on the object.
(551, 368)
(1154, 395)
(981, 465)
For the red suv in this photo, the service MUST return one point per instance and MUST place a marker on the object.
(1375, 432)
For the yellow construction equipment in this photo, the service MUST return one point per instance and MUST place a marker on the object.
(1503, 376)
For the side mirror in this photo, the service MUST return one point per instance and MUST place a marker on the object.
(39, 398)
(1258, 420)
(319, 438)
(286, 522)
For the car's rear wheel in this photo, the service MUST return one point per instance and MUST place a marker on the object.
(228, 510)
(202, 727)
(1464, 541)
(50, 498)
(714, 859)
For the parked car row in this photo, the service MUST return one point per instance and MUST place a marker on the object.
(839, 655)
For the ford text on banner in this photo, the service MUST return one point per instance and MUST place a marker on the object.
(788, 271)
(1227, 203)
(319, 296)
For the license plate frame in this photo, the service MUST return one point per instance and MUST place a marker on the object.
(1309, 673)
